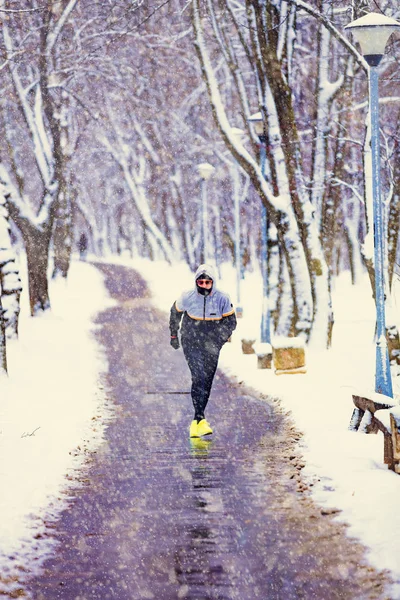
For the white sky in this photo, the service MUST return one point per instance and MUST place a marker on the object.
(54, 411)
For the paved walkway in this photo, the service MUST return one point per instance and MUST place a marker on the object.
(161, 517)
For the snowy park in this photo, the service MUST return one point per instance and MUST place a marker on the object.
(261, 140)
(57, 414)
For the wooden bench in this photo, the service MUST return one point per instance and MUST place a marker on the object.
(379, 413)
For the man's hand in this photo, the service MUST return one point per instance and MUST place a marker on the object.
(174, 342)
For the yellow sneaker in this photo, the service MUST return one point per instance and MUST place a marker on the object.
(203, 428)
(193, 433)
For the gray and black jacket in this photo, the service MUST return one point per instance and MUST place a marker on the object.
(206, 320)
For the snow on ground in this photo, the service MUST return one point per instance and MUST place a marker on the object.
(345, 468)
(53, 409)
(52, 413)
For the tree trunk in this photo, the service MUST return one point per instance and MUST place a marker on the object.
(280, 208)
(394, 215)
(283, 316)
(62, 238)
(10, 280)
(37, 244)
(274, 261)
(3, 345)
(282, 135)
(11, 288)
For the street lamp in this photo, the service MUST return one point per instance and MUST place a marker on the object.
(372, 32)
(258, 123)
(238, 135)
(205, 172)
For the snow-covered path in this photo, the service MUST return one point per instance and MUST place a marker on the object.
(158, 516)
(39, 466)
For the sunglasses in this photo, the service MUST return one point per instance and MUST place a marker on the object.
(204, 281)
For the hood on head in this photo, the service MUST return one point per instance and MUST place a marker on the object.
(208, 270)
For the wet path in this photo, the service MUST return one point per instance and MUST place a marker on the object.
(162, 517)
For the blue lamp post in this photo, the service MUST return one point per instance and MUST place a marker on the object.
(257, 120)
(205, 172)
(372, 32)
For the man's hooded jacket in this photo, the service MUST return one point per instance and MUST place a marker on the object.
(208, 318)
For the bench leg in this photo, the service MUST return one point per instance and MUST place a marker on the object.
(388, 457)
(366, 425)
(395, 443)
(356, 419)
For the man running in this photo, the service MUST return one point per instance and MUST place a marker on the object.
(208, 322)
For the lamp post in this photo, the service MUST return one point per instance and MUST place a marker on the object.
(205, 172)
(238, 135)
(372, 32)
(257, 120)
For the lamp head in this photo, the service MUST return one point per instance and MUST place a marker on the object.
(372, 32)
(258, 123)
(205, 170)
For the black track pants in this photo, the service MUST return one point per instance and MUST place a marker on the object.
(202, 365)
